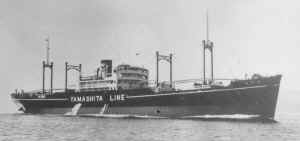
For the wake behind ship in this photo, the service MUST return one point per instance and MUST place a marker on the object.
(126, 90)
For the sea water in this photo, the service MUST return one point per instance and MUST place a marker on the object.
(28, 127)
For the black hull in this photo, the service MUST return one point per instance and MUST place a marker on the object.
(257, 100)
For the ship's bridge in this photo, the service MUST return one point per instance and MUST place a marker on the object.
(97, 84)
(102, 80)
(124, 77)
(131, 77)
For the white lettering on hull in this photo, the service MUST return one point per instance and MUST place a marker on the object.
(116, 97)
(96, 98)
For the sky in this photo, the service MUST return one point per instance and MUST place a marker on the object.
(250, 36)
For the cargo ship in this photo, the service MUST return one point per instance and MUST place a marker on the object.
(126, 90)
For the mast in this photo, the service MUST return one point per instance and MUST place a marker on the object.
(47, 49)
(171, 69)
(207, 44)
(49, 65)
(157, 68)
(204, 44)
(207, 27)
(210, 47)
(72, 67)
(167, 58)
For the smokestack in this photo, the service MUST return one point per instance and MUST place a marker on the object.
(106, 66)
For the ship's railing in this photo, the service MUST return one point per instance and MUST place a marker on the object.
(201, 80)
(35, 93)
(141, 72)
(47, 91)
(88, 77)
(193, 83)
(132, 78)
(151, 84)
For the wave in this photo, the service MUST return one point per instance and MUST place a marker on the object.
(118, 116)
